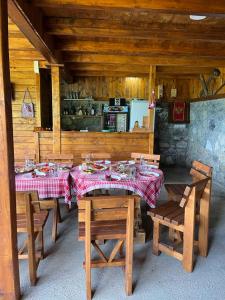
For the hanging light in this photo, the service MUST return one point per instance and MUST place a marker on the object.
(197, 18)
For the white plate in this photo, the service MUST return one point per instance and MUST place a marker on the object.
(131, 162)
(115, 177)
(46, 164)
(152, 166)
(149, 173)
(105, 162)
(39, 173)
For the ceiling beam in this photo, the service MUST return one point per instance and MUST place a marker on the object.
(138, 68)
(100, 73)
(159, 47)
(133, 29)
(29, 20)
(213, 7)
(70, 57)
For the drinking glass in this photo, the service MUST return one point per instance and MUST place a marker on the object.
(88, 158)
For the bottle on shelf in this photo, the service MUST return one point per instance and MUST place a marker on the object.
(92, 111)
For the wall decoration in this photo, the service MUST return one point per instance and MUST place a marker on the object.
(179, 112)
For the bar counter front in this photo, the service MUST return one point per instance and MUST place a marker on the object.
(119, 144)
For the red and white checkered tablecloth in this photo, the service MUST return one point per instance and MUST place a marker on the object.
(47, 187)
(147, 187)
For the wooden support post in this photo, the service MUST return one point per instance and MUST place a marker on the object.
(151, 115)
(37, 146)
(56, 108)
(38, 100)
(9, 270)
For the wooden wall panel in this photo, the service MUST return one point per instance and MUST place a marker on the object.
(105, 87)
(23, 78)
(102, 88)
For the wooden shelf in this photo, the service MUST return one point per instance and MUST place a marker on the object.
(71, 99)
(82, 116)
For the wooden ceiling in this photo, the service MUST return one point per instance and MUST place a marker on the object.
(123, 38)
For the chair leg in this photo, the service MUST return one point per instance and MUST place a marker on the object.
(88, 250)
(188, 249)
(129, 250)
(32, 260)
(171, 234)
(156, 236)
(40, 239)
(203, 227)
(55, 220)
(59, 218)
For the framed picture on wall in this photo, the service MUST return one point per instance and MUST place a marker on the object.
(179, 112)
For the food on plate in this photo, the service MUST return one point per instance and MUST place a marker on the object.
(21, 170)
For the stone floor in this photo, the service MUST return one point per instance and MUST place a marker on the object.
(61, 275)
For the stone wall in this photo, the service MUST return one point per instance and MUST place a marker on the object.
(206, 136)
(203, 139)
(172, 139)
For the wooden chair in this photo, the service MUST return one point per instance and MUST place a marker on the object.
(108, 218)
(181, 217)
(31, 220)
(198, 170)
(63, 158)
(175, 192)
(54, 203)
(152, 158)
(96, 155)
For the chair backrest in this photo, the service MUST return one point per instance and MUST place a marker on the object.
(153, 158)
(64, 158)
(194, 191)
(22, 199)
(96, 155)
(200, 170)
(106, 208)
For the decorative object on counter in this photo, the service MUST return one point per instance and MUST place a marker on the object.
(144, 128)
(27, 110)
(153, 100)
(136, 124)
(179, 112)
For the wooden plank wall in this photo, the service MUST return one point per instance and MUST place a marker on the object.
(101, 88)
(23, 77)
(120, 145)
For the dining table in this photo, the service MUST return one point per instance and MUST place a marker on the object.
(49, 185)
(146, 184)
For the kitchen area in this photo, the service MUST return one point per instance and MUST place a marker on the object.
(112, 115)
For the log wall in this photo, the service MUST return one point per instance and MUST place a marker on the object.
(23, 77)
(102, 88)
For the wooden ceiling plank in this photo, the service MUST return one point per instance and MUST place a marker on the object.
(70, 57)
(213, 7)
(146, 47)
(136, 30)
